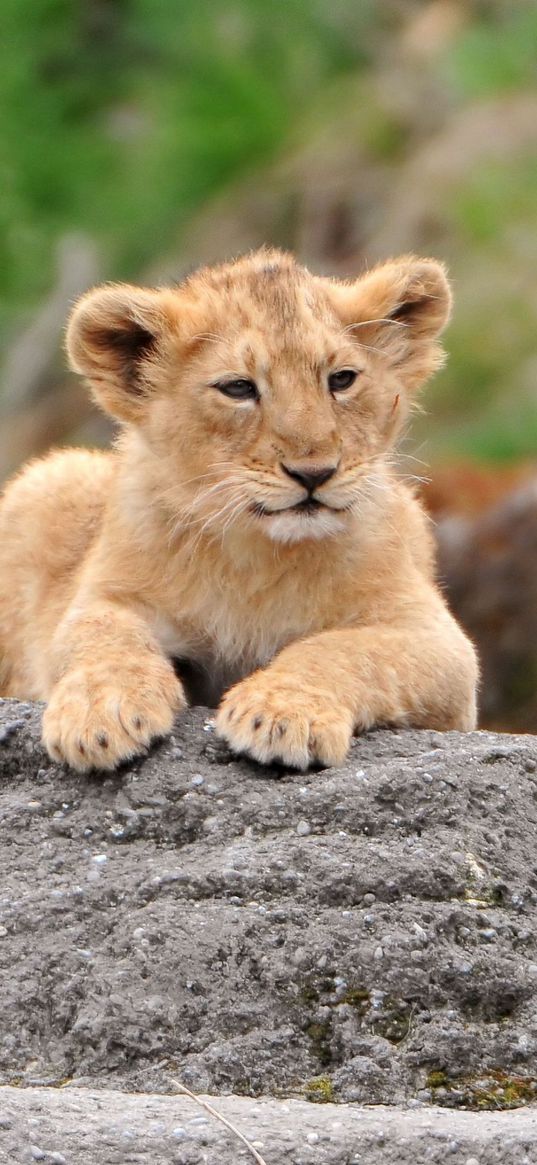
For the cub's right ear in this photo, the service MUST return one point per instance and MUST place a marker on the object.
(113, 338)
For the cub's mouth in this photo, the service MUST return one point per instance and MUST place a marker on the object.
(308, 519)
(307, 506)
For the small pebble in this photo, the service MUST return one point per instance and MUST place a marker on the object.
(197, 780)
(369, 899)
(57, 1158)
(312, 1138)
(36, 1153)
(100, 859)
(303, 828)
(300, 957)
(472, 1161)
(3, 931)
(379, 953)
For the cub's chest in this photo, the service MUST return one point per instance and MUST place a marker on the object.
(236, 625)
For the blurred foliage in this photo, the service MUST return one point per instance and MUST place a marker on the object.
(123, 118)
(497, 55)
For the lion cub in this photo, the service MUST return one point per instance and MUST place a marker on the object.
(249, 522)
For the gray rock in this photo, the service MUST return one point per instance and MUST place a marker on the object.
(192, 927)
(106, 1127)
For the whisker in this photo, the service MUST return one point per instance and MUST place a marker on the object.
(211, 470)
(380, 320)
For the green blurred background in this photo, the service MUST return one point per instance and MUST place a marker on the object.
(139, 138)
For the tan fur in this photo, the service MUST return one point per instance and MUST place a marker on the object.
(111, 565)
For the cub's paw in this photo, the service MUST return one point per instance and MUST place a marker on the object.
(278, 719)
(97, 717)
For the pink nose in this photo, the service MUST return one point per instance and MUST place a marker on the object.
(311, 479)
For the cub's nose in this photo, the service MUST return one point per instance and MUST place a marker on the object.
(310, 478)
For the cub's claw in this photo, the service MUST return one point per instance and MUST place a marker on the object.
(97, 719)
(274, 719)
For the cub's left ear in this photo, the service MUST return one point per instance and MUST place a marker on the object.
(400, 308)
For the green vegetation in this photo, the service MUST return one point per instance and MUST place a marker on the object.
(498, 54)
(320, 1090)
(490, 1090)
(123, 118)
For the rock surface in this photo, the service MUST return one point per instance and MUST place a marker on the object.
(363, 935)
(78, 1126)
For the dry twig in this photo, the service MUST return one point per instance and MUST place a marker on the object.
(208, 1108)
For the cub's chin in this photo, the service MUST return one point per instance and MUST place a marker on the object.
(296, 526)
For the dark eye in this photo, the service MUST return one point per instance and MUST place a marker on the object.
(337, 381)
(238, 389)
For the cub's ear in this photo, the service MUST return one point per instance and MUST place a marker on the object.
(400, 308)
(112, 335)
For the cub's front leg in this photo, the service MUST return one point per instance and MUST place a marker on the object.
(305, 706)
(113, 691)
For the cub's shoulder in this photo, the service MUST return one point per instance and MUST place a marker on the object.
(65, 471)
(55, 506)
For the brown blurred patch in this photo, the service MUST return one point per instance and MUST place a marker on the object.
(464, 487)
(487, 539)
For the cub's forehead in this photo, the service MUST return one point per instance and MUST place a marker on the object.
(264, 312)
(274, 294)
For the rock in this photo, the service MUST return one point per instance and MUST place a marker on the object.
(107, 1127)
(384, 957)
(488, 564)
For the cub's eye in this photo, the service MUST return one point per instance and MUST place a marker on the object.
(337, 381)
(238, 389)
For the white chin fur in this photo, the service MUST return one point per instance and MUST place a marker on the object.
(296, 527)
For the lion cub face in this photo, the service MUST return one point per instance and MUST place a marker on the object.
(268, 396)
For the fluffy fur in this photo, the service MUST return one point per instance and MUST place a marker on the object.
(316, 614)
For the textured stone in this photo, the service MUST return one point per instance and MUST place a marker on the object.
(110, 1128)
(156, 924)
